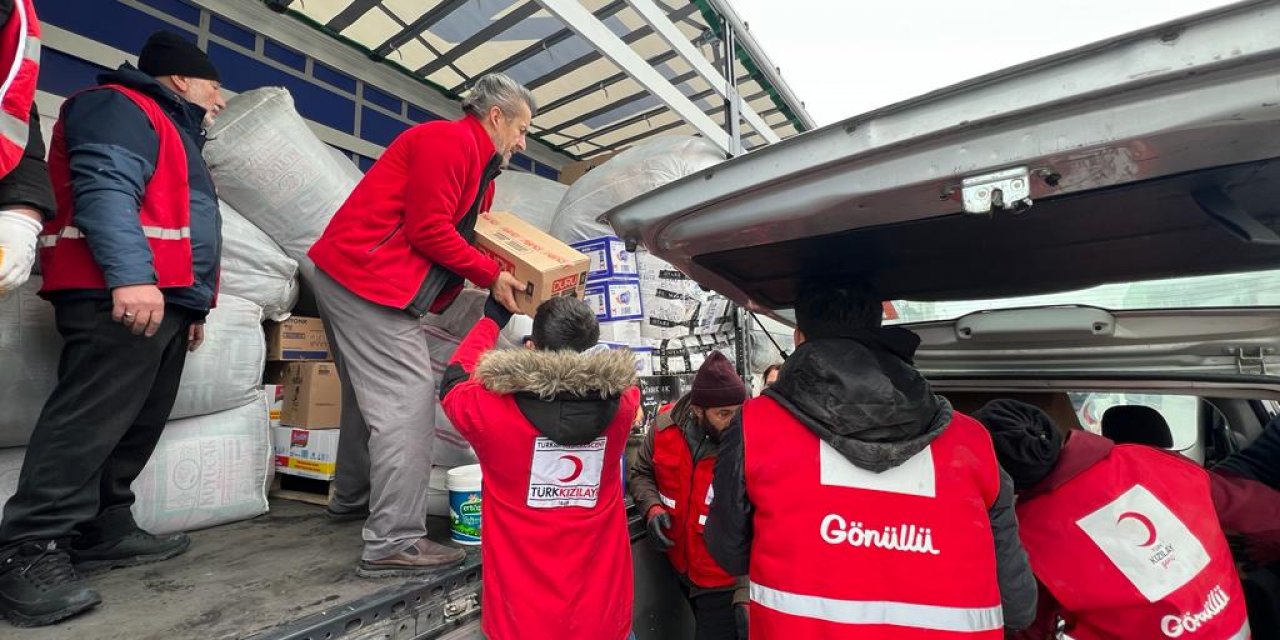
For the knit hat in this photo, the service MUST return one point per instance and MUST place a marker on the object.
(1026, 441)
(717, 384)
(169, 54)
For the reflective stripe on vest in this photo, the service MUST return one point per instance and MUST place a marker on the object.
(1243, 634)
(667, 502)
(157, 233)
(870, 612)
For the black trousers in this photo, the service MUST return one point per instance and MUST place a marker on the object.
(712, 614)
(99, 427)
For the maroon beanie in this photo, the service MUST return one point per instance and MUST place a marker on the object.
(717, 384)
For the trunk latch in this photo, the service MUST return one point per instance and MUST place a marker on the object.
(1009, 190)
(1255, 360)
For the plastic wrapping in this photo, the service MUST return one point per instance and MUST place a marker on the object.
(255, 268)
(275, 171)
(226, 371)
(633, 172)
(29, 348)
(533, 198)
(205, 471)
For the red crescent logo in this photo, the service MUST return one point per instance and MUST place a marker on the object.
(577, 468)
(1142, 520)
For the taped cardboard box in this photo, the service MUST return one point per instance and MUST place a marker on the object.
(308, 453)
(628, 332)
(548, 267)
(297, 339)
(312, 396)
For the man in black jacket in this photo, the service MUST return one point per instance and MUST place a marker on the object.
(852, 429)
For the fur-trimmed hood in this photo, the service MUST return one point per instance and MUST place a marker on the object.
(570, 397)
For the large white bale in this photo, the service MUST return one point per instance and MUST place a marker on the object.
(204, 472)
(226, 371)
(633, 172)
(255, 268)
(29, 349)
(534, 198)
(274, 170)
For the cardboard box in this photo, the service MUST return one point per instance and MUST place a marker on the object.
(549, 268)
(275, 399)
(628, 332)
(614, 300)
(575, 170)
(643, 355)
(297, 339)
(312, 396)
(609, 258)
(305, 452)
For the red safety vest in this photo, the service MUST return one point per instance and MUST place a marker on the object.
(1132, 548)
(20, 64)
(165, 214)
(685, 489)
(841, 552)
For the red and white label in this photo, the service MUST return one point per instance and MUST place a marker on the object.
(565, 475)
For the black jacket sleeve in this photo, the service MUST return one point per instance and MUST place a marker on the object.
(1017, 583)
(729, 524)
(28, 184)
(1260, 460)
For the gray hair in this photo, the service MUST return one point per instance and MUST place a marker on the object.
(497, 90)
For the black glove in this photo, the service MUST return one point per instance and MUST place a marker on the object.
(660, 520)
(494, 311)
(740, 616)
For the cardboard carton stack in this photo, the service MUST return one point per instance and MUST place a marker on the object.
(306, 410)
(614, 292)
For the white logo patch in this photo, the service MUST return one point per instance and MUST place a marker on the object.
(915, 477)
(564, 475)
(1146, 542)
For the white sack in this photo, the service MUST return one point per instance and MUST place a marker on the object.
(255, 268)
(226, 371)
(348, 165)
(533, 198)
(633, 172)
(29, 350)
(204, 472)
(274, 171)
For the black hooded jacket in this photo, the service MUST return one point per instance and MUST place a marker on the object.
(862, 396)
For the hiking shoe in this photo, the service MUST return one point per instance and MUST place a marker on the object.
(39, 586)
(139, 547)
(422, 558)
(345, 516)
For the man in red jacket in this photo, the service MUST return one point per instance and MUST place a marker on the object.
(1126, 540)
(671, 483)
(549, 426)
(400, 247)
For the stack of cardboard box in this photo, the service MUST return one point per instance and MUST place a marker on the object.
(303, 381)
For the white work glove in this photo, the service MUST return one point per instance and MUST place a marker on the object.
(18, 236)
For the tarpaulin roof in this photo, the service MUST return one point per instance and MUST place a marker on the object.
(588, 105)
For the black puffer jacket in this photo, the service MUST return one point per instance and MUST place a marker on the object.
(862, 396)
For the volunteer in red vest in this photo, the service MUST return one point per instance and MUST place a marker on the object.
(858, 502)
(399, 248)
(26, 199)
(671, 483)
(130, 263)
(1127, 540)
(549, 426)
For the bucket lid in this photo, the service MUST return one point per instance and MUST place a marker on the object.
(465, 473)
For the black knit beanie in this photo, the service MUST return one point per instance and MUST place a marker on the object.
(169, 54)
(1026, 441)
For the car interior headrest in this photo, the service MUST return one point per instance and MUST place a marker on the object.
(1136, 424)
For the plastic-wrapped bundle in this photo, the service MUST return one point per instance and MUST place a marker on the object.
(226, 371)
(29, 348)
(533, 198)
(275, 171)
(205, 471)
(633, 172)
(255, 268)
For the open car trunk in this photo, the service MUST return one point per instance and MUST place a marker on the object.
(1148, 156)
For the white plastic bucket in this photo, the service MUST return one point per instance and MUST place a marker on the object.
(464, 503)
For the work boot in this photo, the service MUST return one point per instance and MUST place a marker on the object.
(136, 548)
(422, 558)
(38, 586)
